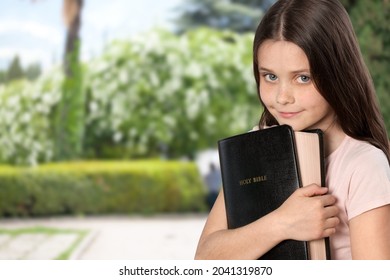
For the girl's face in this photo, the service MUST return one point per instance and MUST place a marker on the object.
(287, 90)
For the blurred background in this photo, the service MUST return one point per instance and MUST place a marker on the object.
(117, 106)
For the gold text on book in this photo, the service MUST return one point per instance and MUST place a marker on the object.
(256, 179)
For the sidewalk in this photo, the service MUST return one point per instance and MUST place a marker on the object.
(161, 237)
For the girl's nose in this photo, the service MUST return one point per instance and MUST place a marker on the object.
(284, 95)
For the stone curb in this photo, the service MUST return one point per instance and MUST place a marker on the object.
(84, 244)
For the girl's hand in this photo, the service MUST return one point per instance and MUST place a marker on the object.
(308, 214)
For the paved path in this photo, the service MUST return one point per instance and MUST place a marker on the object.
(161, 237)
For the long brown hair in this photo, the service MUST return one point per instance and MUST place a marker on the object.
(323, 30)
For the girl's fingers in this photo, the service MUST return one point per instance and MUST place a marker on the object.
(313, 190)
(329, 231)
(327, 200)
(331, 211)
(331, 223)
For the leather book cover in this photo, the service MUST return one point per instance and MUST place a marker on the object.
(260, 170)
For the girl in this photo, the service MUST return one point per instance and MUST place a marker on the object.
(310, 74)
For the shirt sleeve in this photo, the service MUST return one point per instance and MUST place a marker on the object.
(370, 184)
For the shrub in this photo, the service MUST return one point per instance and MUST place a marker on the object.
(157, 94)
(25, 119)
(160, 93)
(101, 188)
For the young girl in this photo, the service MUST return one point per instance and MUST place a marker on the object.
(310, 74)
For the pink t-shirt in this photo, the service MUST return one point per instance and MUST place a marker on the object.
(358, 174)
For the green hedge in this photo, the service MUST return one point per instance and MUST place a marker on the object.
(101, 188)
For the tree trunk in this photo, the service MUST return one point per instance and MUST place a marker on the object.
(69, 115)
(72, 18)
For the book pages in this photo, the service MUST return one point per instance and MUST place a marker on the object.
(308, 152)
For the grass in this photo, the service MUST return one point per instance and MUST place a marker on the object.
(49, 232)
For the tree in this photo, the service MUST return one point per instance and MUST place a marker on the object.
(33, 71)
(69, 120)
(3, 77)
(372, 26)
(69, 114)
(15, 70)
(240, 16)
(348, 4)
(72, 19)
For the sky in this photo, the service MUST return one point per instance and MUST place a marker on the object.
(34, 29)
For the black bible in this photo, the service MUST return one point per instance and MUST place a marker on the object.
(261, 169)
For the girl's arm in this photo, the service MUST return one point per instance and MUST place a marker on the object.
(370, 234)
(307, 214)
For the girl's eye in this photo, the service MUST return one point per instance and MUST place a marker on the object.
(303, 79)
(270, 77)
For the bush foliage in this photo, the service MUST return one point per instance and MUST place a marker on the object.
(165, 94)
(26, 119)
(144, 187)
(157, 94)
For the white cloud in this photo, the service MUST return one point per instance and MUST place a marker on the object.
(126, 17)
(33, 33)
(103, 21)
(109, 15)
(32, 28)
